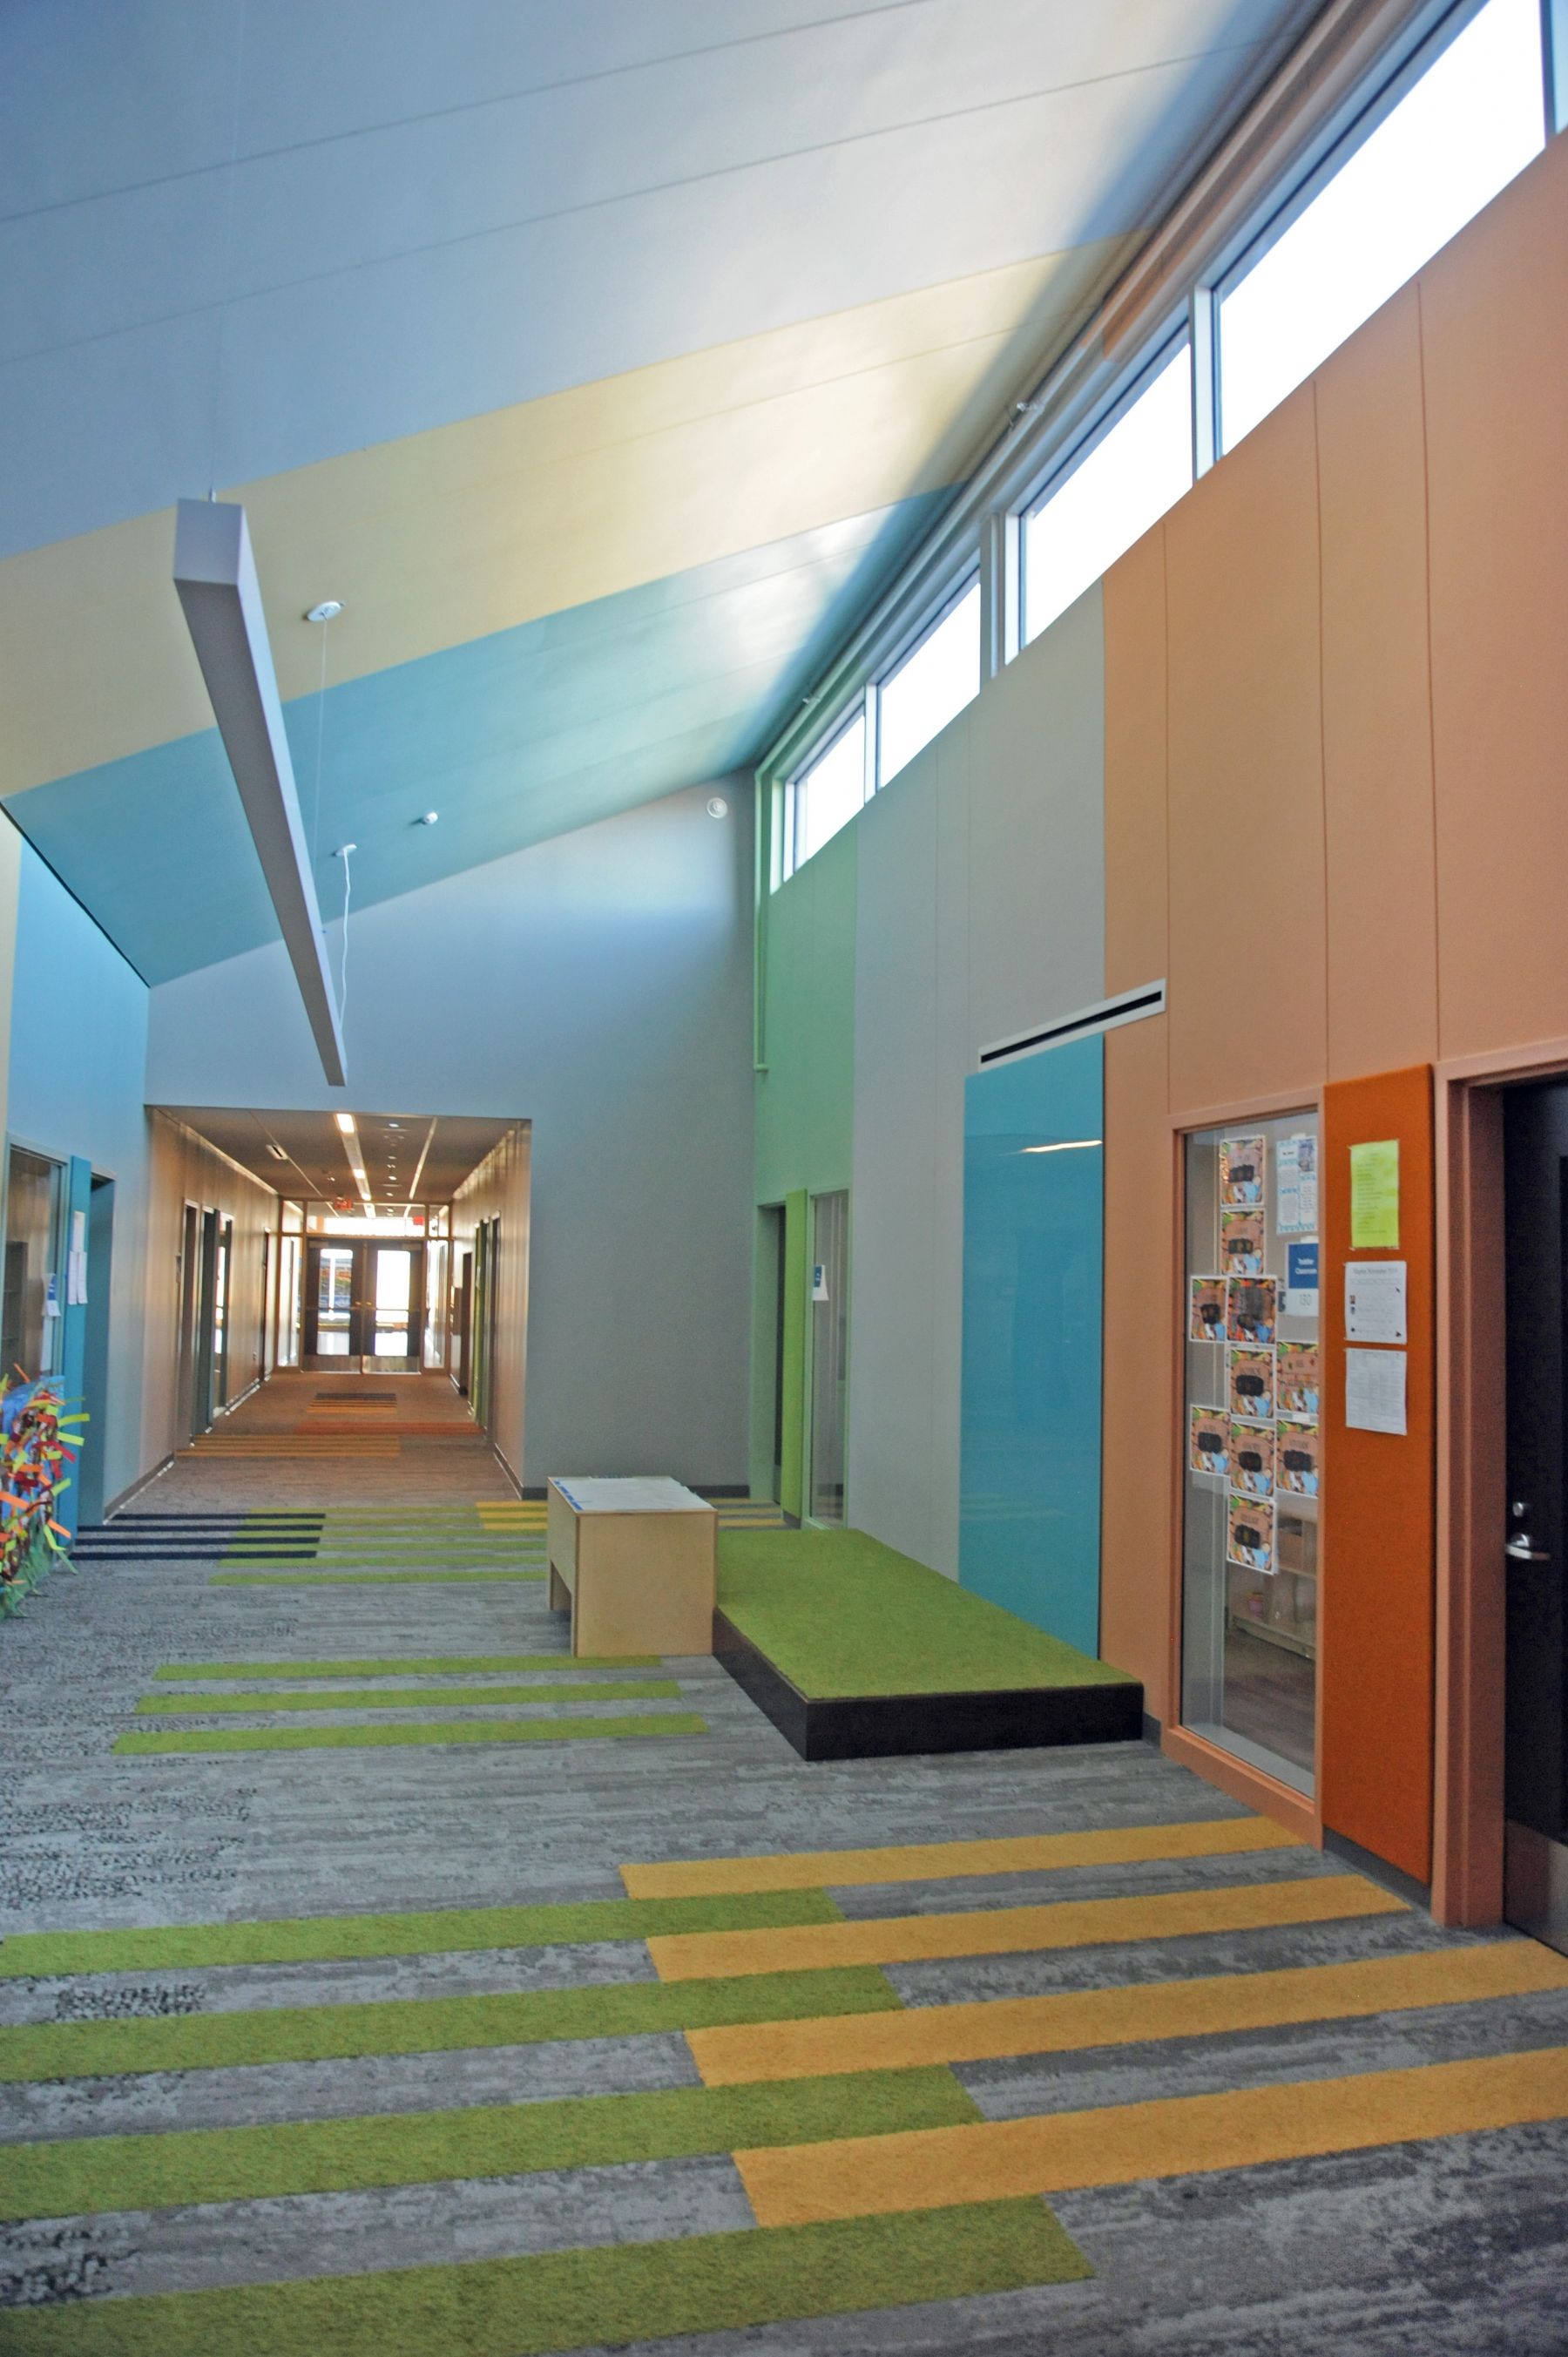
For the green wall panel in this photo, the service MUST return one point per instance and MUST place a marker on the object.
(805, 1111)
(805, 1118)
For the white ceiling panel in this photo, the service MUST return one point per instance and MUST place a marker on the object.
(447, 267)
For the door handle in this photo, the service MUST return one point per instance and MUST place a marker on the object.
(1519, 1550)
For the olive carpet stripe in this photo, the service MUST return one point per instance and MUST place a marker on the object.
(429, 1932)
(1218, 2006)
(608, 2296)
(210, 1705)
(325, 2033)
(413, 1666)
(1013, 1930)
(78, 2176)
(943, 1861)
(364, 1578)
(1177, 2136)
(137, 1746)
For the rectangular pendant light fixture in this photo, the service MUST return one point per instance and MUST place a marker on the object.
(215, 574)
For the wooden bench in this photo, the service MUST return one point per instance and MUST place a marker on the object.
(636, 1562)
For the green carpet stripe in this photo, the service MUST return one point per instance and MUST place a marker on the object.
(78, 2174)
(206, 1705)
(434, 1931)
(557, 2300)
(364, 1738)
(335, 1578)
(322, 2033)
(434, 1666)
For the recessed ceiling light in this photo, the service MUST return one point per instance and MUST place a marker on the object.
(345, 1122)
(328, 611)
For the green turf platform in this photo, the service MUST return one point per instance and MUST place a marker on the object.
(855, 1651)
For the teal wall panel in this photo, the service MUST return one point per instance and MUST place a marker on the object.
(78, 1049)
(514, 738)
(1033, 1256)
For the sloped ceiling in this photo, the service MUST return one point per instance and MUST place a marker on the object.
(599, 358)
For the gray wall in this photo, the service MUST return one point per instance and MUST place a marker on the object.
(599, 986)
(980, 912)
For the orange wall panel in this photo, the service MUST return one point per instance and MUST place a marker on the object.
(1495, 330)
(1139, 1405)
(1377, 703)
(1376, 1611)
(1246, 772)
(1137, 877)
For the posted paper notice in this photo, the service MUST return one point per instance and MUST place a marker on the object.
(1375, 1301)
(1375, 1196)
(1374, 1391)
(1296, 1163)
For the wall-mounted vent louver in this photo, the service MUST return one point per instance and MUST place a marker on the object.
(1127, 1006)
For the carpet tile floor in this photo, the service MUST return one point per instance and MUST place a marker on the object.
(449, 2034)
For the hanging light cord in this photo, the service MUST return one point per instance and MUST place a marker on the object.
(320, 724)
(345, 855)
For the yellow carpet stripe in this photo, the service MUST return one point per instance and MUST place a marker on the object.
(1009, 1931)
(1177, 2136)
(940, 1861)
(1210, 2008)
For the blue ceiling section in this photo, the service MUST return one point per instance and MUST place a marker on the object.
(512, 739)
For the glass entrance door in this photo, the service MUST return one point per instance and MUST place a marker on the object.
(364, 1301)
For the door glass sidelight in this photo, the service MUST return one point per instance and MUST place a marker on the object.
(1535, 1140)
(220, 1319)
(1251, 1444)
(829, 1352)
(33, 1294)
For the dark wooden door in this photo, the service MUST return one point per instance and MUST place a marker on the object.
(1536, 1874)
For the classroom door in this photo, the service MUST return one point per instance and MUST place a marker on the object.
(1535, 1130)
(829, 1353)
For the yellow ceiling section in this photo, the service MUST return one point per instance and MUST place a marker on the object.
(473, 528)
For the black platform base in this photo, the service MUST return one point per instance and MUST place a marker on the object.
(881, 1726)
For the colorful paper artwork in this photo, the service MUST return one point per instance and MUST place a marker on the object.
(1297, 1375)
(1243, 1165)
(1205, 1441)
(1206, 1310)
(1297, 1458)
(1251, 1454)
(1249, 1539)
(1242, 1243)
(1251, 1376)
(1252, 1309)
(39, 1440)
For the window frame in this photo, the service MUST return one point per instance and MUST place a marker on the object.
(859, 708)
(1297, 196)
(927, 630)
(1151, 363)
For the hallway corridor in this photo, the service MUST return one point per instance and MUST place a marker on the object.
(379, 1980)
